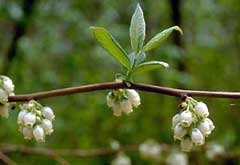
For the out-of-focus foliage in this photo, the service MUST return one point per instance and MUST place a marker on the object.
(58, 50)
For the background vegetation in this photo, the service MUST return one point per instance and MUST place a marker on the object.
(56, 49)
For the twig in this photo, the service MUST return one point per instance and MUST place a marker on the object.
(6, 159)
(118, 85)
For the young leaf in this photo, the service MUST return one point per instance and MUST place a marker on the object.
(137, 29)
(160, 37)
(111, 45)
(150, 65)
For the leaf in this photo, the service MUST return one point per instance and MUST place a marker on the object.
(137, 29)
(160, 37)
(111, 45)
(150, 65)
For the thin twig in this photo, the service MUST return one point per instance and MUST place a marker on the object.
(6, 159)
(118, 85)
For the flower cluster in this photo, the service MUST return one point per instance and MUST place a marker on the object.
(191, 126)
(35, 121)
(6, 89)
(123, 101)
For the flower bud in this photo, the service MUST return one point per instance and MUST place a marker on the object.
(3, 96)
(201, 109)
(47, 126)
(186, 118)
(29, 119)
(179, 132)
(126, 106)
(204, 127)
(38, 134)
(7, 84)
(186, 144)
(27, 133)
(4, 110)
(175, 120)
(133, 97)
(48, 113)
(197, 137)
(21, 116)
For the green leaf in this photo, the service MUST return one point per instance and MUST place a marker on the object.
(137, 29)
(111, 45)
(150, 65)
(160, 37)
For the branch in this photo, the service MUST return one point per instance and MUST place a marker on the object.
(120, 85)
(6, 159)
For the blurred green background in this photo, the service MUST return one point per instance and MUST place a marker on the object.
(55, 48)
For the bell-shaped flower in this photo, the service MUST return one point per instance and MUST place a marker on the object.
(38, 134)
(179, 132)
(133, 97)
(197, 137)
(29, 119)
(27, 133)
(186, 118)
(3, 96)
(7, 84)
(121, 159)
(117, 111)
(177, 158)
(175, 120)
(211, 125)
(47, 112)
(21, 116)
(201, 109)
(47, 126)
(126, 106)
(204, 127)
(186, 144)
(4, 110)
(110, 100)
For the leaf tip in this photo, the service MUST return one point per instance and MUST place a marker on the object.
(177, 28)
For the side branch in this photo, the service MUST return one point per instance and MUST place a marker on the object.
(119, 85)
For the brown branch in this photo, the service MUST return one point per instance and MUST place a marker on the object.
(118, 85)
(6, 159)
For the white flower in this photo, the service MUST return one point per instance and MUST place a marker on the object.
(213, 150)
(110, 100)
(197, 137)
(29, 119)
(151, 151)
(4, 110)
(47, 126)
(3, 96)
(186, 144)
(186, 118)
(21, 116)
(175, 120)
(201, 109)
(48, 113)
(179, 132)
(133, 97)
(177, 159)
(204, 127)
(7, 84)
(27, 133)
(126, 106)
(38, 134)
(121, 160)
(117, 111)
(210, 123)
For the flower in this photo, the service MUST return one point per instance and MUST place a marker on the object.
(126, 106)
(204, 127)
(201, 109)
(110, 100)
(177, 158)
(3, 96)
(29, 119)
(38, 134)
(7, 84)
(150, 150)
(133, 97)
(27, 133)
(214, 150)
(197, 137)
(47, 112)
(4, 110)
(175, 120)
(179, 132)
(21, 116)
(47, 126)
(186, 144)
(117, 111)
(210, 123)
(186, 118)
(121, 159)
